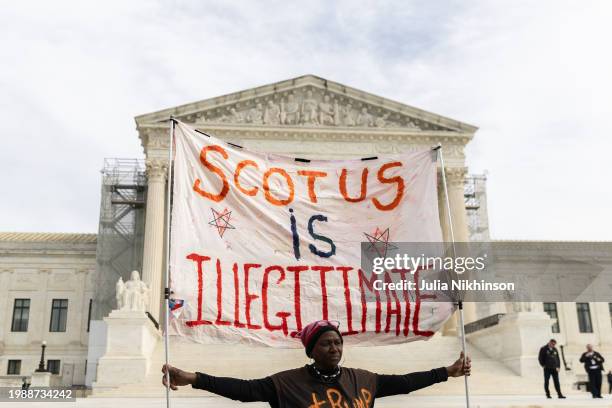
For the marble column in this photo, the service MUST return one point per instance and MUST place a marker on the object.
(455, 181)
(450, 327)
(153, 257)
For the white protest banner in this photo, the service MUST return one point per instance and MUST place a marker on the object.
(263, 244)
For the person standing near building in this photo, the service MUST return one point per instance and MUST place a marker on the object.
(610, 382)
(323, 383)
(593, 365)
(549, 360)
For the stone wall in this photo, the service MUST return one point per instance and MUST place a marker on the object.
(43, 267)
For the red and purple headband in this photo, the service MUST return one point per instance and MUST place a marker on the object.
(311, 333)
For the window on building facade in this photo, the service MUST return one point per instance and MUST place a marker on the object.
(14, 367)
(551, 309)
(59, 314)
(584, 318)
(53, 366)
(21, 315)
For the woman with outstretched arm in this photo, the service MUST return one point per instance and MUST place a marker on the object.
(323, 383)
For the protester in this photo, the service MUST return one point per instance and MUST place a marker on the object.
(593, 365)
(549, 360)
(322, 383)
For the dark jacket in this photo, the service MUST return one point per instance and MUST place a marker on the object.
(549, 357)
(595, 360)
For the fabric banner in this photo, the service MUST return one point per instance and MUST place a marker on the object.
(263, 244)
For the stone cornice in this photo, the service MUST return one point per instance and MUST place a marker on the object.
(155, 136)
(68, 238)
(84, 256)
(47, 248)
(563, 254)
(156, 141)
(571, 246)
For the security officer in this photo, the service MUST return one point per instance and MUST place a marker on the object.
(549, 360)
(593, 365)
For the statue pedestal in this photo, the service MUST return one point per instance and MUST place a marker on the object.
(43, 380)
(516, 341)
(131, 339)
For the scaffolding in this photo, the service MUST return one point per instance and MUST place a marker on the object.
(121, 229)
(476, 206)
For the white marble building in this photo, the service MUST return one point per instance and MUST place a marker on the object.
(306, 117)
(46, 287)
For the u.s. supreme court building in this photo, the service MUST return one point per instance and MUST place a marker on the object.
(59, 288)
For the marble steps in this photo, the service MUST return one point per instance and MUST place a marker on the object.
(420, 401)
(490, 377)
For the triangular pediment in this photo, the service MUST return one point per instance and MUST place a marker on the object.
(307, 101)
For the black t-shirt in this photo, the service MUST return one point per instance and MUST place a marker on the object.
(300, 387)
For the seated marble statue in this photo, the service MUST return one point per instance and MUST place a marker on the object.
(132, 295)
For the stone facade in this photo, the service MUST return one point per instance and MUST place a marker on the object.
(43, 267)
(307, 117)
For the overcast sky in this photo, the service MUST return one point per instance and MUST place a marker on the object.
(534, 76)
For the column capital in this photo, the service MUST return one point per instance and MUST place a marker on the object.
(157, 169)
(455, 176)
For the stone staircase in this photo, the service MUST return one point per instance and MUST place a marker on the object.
(489, 377)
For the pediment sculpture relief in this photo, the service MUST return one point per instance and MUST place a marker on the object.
(308, 107)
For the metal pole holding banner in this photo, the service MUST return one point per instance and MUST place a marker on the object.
(438, 149)
(167, 277)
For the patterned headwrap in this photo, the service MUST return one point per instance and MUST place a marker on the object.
(311, 333)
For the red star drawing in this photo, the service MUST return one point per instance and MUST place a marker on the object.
(221, 221)
(379, 242)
